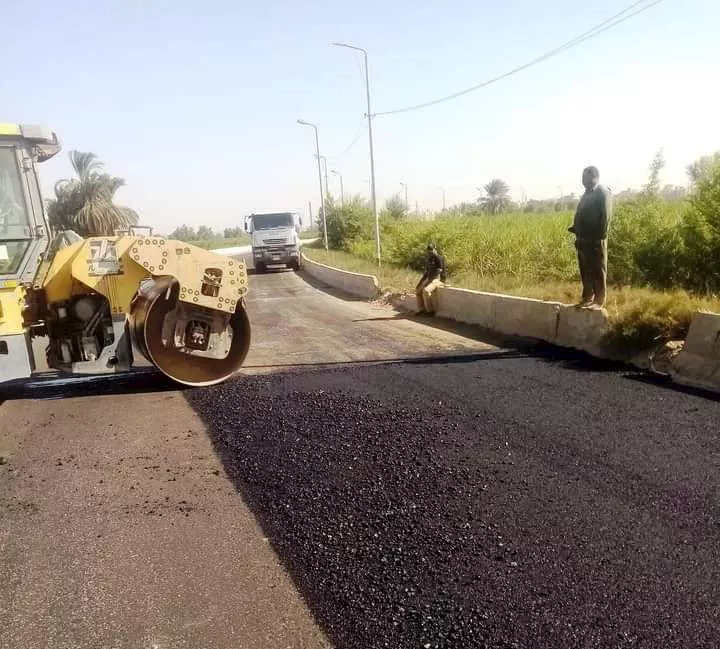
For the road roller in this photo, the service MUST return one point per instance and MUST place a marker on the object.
(94, 305)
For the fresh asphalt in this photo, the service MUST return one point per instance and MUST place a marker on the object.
(368, 481)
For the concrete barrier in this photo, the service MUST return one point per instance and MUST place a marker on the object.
(471, 307)
(582, 329)
(506, 314)
(699, 361)
(703, 337)
(518, 316)
(356, 284)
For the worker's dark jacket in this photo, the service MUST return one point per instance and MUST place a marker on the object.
(434, 267)
(593, 215)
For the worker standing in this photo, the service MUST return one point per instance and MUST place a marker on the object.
(590, 228)
(434, 276)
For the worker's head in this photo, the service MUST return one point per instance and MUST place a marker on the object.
(431, 248)
(590, 177)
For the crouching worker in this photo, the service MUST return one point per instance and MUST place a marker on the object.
(434, 276)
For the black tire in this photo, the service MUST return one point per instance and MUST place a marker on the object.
(260, 267)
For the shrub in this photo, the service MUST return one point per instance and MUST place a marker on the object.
(348, 223)
(701, 231)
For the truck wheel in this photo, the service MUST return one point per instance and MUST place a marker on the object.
(259, 267)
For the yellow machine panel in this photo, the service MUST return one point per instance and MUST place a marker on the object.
(12, 300)
(115, 266)
(182, 306)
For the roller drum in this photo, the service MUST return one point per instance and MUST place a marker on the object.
(155, 312)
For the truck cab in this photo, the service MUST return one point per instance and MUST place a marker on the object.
(274, 239)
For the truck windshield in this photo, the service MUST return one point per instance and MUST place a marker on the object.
(14, 218)
(267, 221)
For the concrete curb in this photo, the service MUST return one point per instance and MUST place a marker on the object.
(696, 362)
(355, 284)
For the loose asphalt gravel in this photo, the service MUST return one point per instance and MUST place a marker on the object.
(500, 502)
(480, 498)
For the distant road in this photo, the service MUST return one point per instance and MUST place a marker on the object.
(245, 250)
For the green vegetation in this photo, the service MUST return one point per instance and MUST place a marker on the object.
(85, 204)
(204, 237)
(664, 251)
(310, 234)
(219, 242)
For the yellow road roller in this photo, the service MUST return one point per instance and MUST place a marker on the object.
(97, 302)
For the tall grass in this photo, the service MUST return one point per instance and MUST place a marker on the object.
(221, 242)
(644, 245)
(663, 256)
(640, 317)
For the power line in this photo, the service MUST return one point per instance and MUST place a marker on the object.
(355, 140)
(598, 29)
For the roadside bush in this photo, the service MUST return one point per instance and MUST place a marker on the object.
(348, 223)
(643, 318)
(513, 245)
(645, 243)
(701, 231)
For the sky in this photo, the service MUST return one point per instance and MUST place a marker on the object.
(195, 104)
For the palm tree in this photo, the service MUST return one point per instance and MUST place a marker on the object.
(497, 196)
(85, 204)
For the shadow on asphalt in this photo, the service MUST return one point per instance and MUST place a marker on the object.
(52, 385)
(437, 359)
(321, 286)
(564, 357)
(269, 271)
(667, 383)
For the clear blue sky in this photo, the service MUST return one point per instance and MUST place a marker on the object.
(195, 103)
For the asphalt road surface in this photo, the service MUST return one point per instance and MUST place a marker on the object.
(369, 481)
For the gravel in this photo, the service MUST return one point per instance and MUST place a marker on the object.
(505, 503)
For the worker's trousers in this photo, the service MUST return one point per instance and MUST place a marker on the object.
(427, 296)
(592, 259)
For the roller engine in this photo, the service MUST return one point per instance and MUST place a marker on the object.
(99, 300)
(78, 330)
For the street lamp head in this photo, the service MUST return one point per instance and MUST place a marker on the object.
(304, 123)
(350, 47)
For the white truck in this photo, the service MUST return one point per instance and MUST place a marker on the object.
(275, 239)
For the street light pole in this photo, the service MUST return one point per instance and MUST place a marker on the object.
(373, 197)
(407, 205)
(342, 192)
(317, 150)
(443, 191)
(327, 187)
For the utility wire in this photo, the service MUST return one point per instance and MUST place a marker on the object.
(604, 26)
(360, 132)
